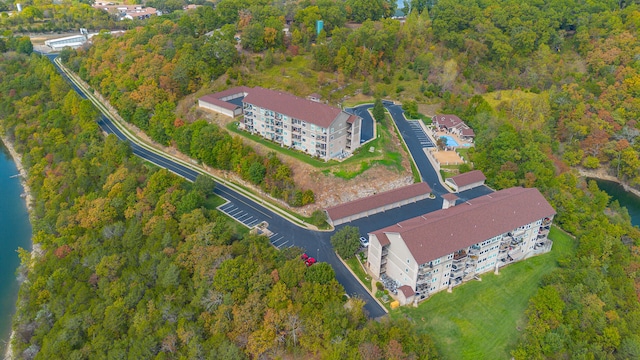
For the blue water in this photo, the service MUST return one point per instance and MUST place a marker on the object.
(626, 199)
(15, 231)
(450, 141)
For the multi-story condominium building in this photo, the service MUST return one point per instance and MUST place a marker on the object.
(444, 248)
(313, 127)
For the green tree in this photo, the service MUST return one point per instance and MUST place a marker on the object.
(346, 241)
(321, 273)
(378, 111)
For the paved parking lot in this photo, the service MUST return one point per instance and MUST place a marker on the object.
(422, 137)
(240, 215)
(280, 241)
(250, 218)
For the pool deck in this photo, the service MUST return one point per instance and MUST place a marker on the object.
(460, 143)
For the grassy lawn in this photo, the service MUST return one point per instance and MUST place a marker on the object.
(213, 201)
(357, 269)
(497, 97)
(480, 320)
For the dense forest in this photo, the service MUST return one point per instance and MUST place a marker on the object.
(133, 264)
(573, 76)
(49, 16)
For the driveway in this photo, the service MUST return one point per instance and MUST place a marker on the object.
(427, 172)
(366, 132)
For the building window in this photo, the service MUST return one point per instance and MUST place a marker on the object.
(408, 261)
(406, 270)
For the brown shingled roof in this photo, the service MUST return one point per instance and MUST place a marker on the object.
(442, 232)
(452, 121)
(223, 104)
(450, 197)
(230, 91)
(468, 178)
(407, 291)
(293, 106)
(378, 200)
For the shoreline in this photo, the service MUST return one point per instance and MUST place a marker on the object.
(601, 175)
(28, 198)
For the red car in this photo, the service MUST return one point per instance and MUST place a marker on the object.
(310, 261)
(304, 257)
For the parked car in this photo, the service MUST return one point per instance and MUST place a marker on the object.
(364, 242)
(310, 261)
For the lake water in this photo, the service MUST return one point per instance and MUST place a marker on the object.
(626, 199)
(15, 231)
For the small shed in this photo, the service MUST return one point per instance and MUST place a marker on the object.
(405, 294)
(466, 181)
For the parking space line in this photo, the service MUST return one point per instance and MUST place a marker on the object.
(254, 223)
(246, 221)
(272, 235)
(230, 210)
(235, 212)
(241, 217)
(226, 206)
(279, 246)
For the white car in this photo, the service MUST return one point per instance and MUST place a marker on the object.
(364, 242)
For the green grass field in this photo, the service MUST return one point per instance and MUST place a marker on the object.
(497, 97)
(481, 319)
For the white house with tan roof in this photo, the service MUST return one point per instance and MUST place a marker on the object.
(318, 129)
(442, 249)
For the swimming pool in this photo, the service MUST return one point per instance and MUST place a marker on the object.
(450, 141)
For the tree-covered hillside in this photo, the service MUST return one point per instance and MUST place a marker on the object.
(548, 86)
(133, 264)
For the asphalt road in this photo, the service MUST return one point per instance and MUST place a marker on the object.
(315, 243)
(366, 130)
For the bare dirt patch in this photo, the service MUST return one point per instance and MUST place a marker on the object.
(429, 109)
(448, 157)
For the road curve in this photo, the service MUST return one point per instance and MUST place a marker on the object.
(316, 243)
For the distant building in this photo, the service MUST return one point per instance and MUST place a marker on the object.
(73, 42)
(466, 181)
(453, 124)
(131, 12)
(319, 130)
(444, 248)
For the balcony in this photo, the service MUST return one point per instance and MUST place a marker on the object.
(459, 255)
(546, 221)
(383, 260)
(516, 233)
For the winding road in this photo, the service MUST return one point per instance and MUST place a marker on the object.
(284, 232)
